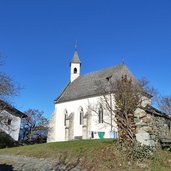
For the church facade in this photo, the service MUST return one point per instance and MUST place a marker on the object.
(81, 114)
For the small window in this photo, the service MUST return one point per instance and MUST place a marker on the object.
(109, 78)
(65, 117)
(9, 121)
(75, 70)
(100, 114)
(81, 116)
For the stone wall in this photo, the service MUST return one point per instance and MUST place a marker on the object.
(151, 126)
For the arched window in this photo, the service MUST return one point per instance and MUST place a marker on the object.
(75, 70)
(65, 117)
(100, 114)
(81, 116)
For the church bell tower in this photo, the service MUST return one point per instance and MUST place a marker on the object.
(75, 65)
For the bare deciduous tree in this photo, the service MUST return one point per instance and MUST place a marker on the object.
(119, 99)
(128, 97)
(164, 104)
(152, 91)
(7, 85)
(106, 102)
(8, 88)
(35, 125)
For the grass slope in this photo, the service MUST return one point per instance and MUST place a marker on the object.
(75, 148)
(93, 155)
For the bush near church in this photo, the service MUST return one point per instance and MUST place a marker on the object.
(6, 140)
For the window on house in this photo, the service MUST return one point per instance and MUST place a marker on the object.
(75, 70)
(81, 116)
(100, 114)
(9, 121)
(109, 78)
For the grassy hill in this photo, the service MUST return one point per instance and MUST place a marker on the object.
(92, 155)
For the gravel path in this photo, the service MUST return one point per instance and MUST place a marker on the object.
(23, 163)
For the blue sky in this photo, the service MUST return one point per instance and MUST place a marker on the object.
(38, 37)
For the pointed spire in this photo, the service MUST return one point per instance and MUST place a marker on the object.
(75, 65)
(75, 58)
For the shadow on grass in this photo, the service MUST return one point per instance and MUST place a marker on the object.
(110, 142)
(4, 167)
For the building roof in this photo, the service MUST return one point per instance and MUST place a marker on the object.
(75, 58)
(86, 85)
(12, 110)
(152, 110)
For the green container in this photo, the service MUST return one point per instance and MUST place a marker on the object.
(101, 134)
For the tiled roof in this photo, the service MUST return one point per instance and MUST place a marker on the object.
(86, 85)
(12, 110)
(152, 110)
(75, 58)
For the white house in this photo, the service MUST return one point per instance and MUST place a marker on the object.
(78, 110)
(10, 120)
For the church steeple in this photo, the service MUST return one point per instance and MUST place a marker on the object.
(75, 65)
(75, 58)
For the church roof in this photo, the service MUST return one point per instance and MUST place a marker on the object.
(75, 58)
(86, 85)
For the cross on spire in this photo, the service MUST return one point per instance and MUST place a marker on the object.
(76, 45)
(123, 61)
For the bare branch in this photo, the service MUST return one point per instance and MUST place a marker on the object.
(34, 125)
(164, 104)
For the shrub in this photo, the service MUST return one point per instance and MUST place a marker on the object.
(6, 140)
(141, 152)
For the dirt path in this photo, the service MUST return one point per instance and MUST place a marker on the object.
(23, 163)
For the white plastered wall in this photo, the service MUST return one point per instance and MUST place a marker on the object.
(73, 107)
(74, 75)
(12, 129)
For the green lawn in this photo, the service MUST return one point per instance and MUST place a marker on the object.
(103, 153)
(74, 148)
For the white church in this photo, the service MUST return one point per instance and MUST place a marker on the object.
(79, 112)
